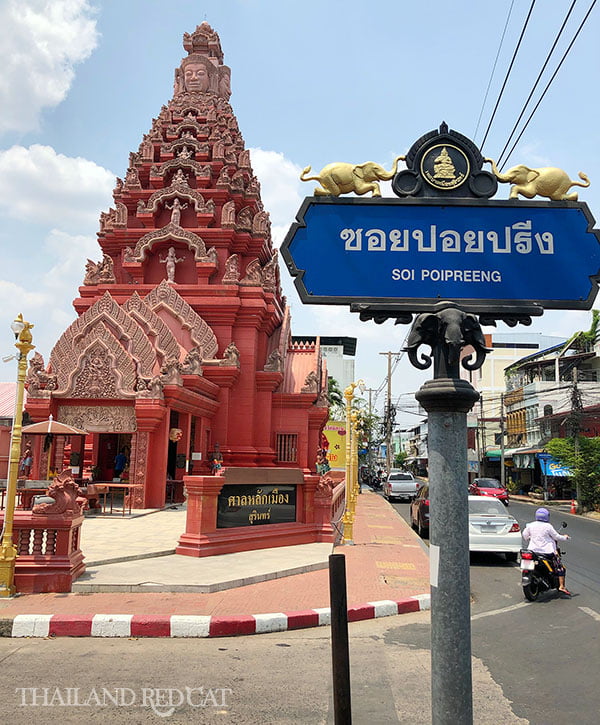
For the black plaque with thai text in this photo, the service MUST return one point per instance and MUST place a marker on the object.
(255, 505)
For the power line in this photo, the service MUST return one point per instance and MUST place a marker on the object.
(508, 72)
(535, 85)
(551, 79)
(487, 90)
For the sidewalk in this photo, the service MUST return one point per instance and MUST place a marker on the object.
(157, 593)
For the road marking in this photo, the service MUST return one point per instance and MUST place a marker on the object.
(595, 543)
(591, 612)
(394, 565)
(500, 611)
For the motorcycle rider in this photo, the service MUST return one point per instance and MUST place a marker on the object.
(542, 537)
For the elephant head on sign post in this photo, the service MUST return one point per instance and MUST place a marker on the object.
(548, 181)
(446, 331)
(341, 178)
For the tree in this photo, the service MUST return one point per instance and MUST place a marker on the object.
(582, 456)
(400, 459)
(368, 423)
(337, 403)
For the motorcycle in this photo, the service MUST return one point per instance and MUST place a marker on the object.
(537, 572)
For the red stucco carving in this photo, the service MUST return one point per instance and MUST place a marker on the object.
(176, 344)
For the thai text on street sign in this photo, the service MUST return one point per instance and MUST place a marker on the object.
(388, 250)
(445, 238)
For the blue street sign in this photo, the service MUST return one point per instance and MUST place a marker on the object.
(483, 252)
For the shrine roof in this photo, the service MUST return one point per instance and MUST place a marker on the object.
(299, 363)
(8, 394)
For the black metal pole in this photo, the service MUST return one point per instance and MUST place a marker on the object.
(340, 654)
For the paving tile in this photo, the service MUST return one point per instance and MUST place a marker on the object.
(367, 580)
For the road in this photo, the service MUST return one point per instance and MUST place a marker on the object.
(269, 679)
(545, 655)
(534, 663)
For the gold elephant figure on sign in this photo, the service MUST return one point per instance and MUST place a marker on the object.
(341, 178)
(548, 181)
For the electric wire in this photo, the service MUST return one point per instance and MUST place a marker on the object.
(579, 29)
(487, 90)
(508, 72)
(535, 85)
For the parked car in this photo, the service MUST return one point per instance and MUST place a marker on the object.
(401, 484)
(489, 487)
(492, 529)
(419, 512)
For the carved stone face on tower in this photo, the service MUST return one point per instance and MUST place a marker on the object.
(195, 77)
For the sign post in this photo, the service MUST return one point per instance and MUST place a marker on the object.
(446, 258)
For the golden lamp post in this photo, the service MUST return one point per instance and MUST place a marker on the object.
(348, 518)
(8, 552)
(354, 462)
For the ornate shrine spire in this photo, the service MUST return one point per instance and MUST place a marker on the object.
(202, 71)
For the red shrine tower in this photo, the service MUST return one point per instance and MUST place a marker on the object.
(182, 346)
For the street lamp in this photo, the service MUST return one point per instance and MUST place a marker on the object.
(348, 518)
(8, 552)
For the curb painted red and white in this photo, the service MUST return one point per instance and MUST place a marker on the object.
(181, 625)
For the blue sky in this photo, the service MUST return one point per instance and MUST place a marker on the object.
(312, 82)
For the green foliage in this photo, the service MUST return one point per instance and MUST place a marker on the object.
(582, 455)
(512, 486)
(337, 404)
(592, 333)
(399, 459)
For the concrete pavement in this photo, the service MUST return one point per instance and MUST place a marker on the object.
(135, 585)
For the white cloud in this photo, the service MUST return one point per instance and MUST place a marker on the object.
(281, 191)
(40, 43)
(71, 253)
(37, 184)
(49, 307)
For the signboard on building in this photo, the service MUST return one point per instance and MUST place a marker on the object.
(551, 467)
(255, 505)
(335, 432)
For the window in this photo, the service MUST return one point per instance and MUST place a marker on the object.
(287, 447)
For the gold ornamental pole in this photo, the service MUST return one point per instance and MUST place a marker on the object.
(348, 518)
(8, 552)
(353, 461)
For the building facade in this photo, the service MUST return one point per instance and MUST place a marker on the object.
(182, 350)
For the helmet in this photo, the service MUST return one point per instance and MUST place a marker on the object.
(542, 515)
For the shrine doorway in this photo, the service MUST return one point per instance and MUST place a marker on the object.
(109, 444)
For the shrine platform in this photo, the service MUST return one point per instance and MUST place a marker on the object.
(153, 592)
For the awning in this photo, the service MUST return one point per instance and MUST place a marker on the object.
(497, 453)
(54, 427)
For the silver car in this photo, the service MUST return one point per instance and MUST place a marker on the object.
(401, 484)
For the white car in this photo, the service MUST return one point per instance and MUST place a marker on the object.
(492, 529)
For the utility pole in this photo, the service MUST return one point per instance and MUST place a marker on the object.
(576, 415)
(482, 432)
(502, 471)
(369, 451)
(388, 417)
